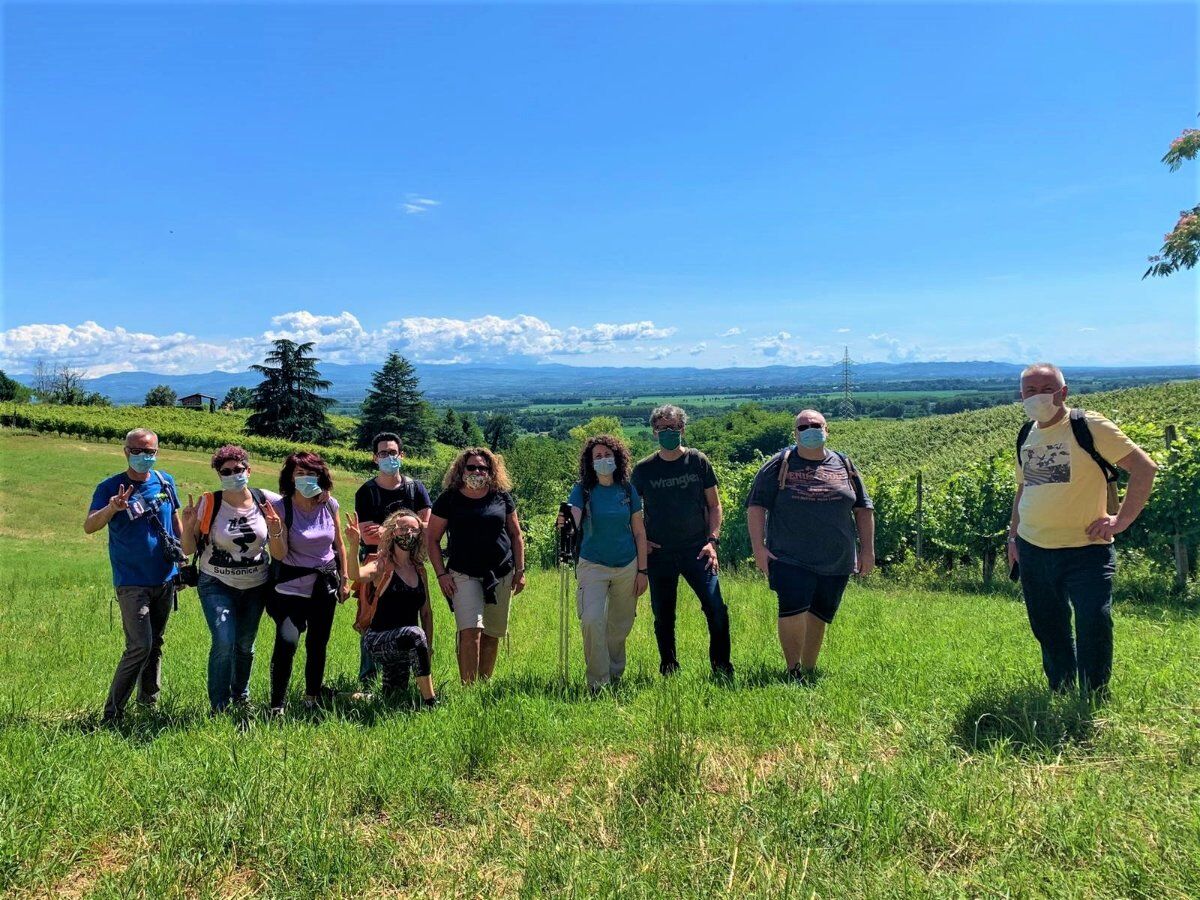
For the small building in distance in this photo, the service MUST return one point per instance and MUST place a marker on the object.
(198, 401)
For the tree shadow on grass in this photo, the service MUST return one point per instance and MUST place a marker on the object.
(1026, 721)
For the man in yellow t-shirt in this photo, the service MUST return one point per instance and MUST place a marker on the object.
(1061, 532)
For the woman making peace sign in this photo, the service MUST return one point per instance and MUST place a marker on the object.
(232, 530)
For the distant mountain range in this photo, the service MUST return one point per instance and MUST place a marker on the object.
(478, 384)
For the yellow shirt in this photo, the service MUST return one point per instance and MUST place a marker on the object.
(1063, 490)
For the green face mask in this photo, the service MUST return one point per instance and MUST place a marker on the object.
(669, 439)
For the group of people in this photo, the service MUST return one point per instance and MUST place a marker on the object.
(640, 526)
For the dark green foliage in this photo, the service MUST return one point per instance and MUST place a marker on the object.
(395, 403)
(13, 391)
(500, 431)
(160, 395)
(238, 398)
(286, 404)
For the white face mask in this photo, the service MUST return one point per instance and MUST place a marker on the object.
(1040, 407)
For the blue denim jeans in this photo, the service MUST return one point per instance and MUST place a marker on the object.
(232, 616)
(665, 568)
(1053, 582)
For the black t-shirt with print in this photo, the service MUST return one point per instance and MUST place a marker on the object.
(478, 540)
(673, 501)
(399, 606)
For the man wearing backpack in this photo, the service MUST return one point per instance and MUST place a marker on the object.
(806, 512)
(378, 498)
(1064, 517)
(140, 509)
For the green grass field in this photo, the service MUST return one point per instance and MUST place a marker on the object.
(925, 760)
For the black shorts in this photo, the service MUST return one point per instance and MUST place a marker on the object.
(801, 591)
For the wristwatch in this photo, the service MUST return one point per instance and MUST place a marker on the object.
(715, 541)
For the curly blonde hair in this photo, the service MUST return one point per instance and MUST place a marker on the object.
(387, 536)
(453, 479)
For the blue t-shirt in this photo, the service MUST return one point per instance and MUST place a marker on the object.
(134, 545)
(607, 533)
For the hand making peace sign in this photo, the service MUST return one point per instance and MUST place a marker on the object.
(120, 500)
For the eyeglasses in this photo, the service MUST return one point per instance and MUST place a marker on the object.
(235, 471)
(808, 426)
(145, 451)
(388, 453)
(472, 468)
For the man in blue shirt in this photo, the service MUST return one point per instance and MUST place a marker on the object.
(140, 508)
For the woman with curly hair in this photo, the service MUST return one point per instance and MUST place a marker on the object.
(611, 571)
(393, 599)
(310, 582)
(486, 553)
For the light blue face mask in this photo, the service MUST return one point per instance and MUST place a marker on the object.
(236, 482)
(141, 462)
(390, 465)
(308, 486)
(811, 438)
(605, 465)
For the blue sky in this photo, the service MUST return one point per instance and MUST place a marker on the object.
(594, 184)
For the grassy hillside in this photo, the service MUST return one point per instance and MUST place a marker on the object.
(926, 760)
(940, 445)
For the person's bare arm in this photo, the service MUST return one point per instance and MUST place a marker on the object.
(518, 548)
(118, 502)
(1141, 469)
(756, 525)
(638, 524)
(864, 521)
(427, 623)
(339, 552)
(1014, 520)
(708, 552)
(433, 548)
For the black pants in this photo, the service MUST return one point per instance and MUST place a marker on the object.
(144, 612)
(1053, 582)
(398, 652)
(317, 614)
(665, 568)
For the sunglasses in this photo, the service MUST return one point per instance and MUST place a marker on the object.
(388, 453)
(145, 451)
(477, 468)
(238, 471)
(808, 426)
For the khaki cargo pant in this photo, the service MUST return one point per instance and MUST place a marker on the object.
(607, 608)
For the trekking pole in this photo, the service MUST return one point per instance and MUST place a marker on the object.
(563, 556)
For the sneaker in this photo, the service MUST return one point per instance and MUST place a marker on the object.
(431, 703)
(275, 712)
(670, 668)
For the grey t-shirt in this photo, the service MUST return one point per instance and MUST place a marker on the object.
(809, 522)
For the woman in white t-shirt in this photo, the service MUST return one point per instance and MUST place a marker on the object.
(233, 529)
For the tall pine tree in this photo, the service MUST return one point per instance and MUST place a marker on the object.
(286, 403)
(394, 403)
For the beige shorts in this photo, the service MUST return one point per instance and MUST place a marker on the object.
(472, 611)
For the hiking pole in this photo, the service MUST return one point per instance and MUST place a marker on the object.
(564, 545)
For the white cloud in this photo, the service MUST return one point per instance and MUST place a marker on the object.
(660, 353)
(414, 204)
(843, 331)
(731, 332)
(700, 348)
(338, 339)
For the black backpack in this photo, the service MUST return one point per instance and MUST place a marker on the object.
(577, 536)
(1083, 437)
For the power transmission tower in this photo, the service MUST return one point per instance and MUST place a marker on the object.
(845, 407)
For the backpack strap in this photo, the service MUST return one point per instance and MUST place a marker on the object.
(783, 468)
(1022, 436)
(852, 474)
(1083, 437)
(210, 502)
